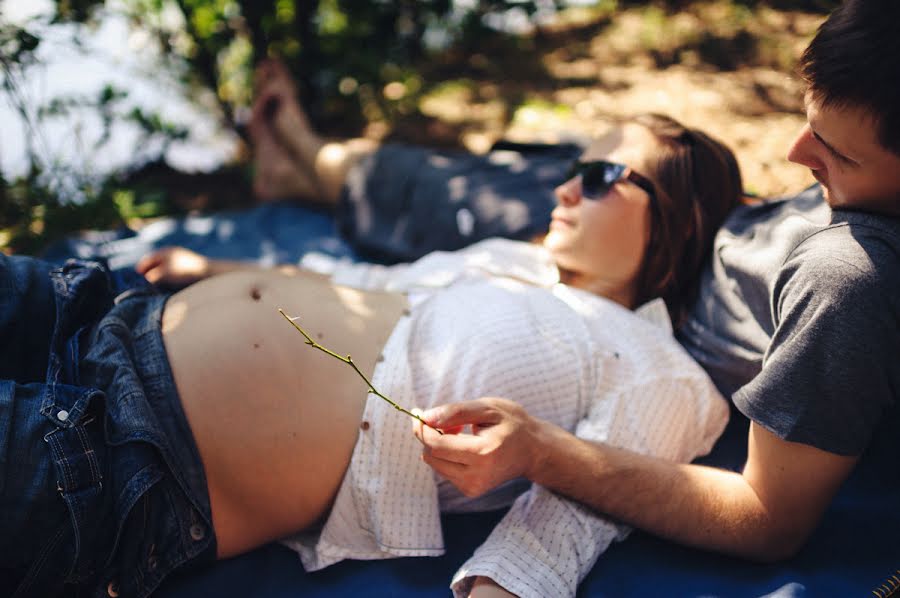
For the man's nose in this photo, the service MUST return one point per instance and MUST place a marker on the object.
(806, 150)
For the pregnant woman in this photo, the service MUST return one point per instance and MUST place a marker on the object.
(151, 431)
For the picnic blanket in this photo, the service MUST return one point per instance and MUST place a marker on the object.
(854, 552)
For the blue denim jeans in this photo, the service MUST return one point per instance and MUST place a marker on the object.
(102, 490)
(403, 202)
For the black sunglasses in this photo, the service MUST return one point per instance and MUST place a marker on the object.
(598, 177)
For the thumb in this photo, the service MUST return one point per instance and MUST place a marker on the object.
(477, 412)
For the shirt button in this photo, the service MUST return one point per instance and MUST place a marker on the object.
(63, 415)
(364, 426)
(379, 359)
(112, 589)
(152, 563)
(197, 532)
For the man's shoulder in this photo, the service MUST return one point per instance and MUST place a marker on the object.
(854, 248)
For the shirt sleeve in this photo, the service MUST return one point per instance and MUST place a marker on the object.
(830, 371)
(546, 544)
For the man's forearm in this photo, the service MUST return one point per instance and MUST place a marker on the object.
(765, 512)
(690, 504)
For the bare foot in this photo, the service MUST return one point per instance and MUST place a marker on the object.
(276, 106)
(291, 159)
(275, 173)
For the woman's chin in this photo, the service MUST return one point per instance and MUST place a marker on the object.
(554, 241)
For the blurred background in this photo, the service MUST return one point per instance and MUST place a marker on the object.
(116, 112)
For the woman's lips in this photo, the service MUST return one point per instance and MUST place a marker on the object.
(560, 223)
(560, 219)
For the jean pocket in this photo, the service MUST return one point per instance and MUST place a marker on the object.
(145, 528)
(132, 510)
(79, 482)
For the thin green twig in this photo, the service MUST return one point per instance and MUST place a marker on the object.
(349, 361)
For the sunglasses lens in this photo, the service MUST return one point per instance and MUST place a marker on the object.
(598, 177)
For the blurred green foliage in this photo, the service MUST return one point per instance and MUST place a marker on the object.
(342, 52)
(354, 61)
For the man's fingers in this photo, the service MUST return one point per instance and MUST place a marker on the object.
(435, 450)
(452, 429)
(425, 433)
(456, 415)
(458, 448)
(419, 428)
(449, 470)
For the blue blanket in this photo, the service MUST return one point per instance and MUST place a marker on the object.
(853, 553)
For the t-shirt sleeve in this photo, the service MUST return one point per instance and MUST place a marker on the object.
(830, 371)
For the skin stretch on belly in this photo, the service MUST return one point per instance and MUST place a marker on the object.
(274, 420)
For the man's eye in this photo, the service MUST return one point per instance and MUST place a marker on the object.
(840, 157)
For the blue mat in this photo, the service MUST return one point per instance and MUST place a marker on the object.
(269, 233)
(853, 553)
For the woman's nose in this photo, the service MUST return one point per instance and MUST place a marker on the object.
(569, 193)
(807, 150)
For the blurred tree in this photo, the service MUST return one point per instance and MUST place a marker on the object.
(342, 52)
(355, 62)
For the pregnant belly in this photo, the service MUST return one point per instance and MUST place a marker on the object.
(275, 421)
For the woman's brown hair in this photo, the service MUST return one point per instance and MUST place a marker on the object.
(697, 183)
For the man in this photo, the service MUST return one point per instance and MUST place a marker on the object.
(797, 320)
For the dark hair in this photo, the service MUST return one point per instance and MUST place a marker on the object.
(697, 183)
(854, 61)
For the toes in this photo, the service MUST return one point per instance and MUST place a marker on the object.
(263, 73)
(272, 74)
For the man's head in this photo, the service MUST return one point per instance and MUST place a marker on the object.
(852, 140)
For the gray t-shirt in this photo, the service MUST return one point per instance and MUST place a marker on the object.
(799, 320)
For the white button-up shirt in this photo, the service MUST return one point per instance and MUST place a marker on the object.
(493, 320)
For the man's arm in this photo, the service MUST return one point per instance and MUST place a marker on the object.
(764, 513)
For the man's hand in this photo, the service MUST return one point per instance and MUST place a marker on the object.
(502, 446)
(174, 267)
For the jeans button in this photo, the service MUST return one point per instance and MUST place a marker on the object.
(63, 415)
(112, 589)
(197, 532)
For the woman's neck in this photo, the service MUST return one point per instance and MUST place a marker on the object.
(622, 294)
